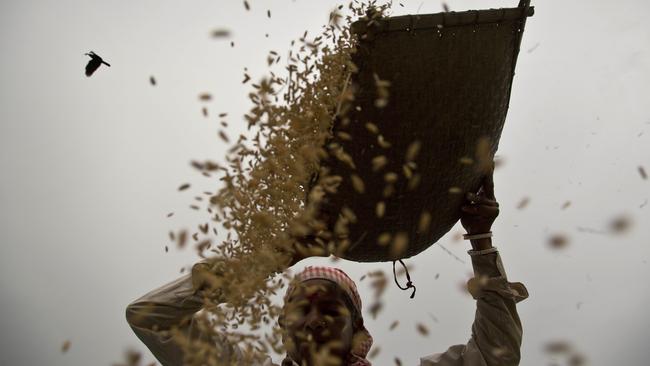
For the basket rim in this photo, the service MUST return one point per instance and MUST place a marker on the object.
(442, 20)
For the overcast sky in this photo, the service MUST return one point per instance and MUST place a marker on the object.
(89, 169)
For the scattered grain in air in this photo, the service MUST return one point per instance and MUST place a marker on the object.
(232, 44)
(498, 351)
(204, 110)
(246, 78)
(375, 309)
(424, 222)
(389, 190)
(357, 183)
(220, 33)
(577, 360)
(436, 276)
(222, 115)
(223, 136)
(382, 142)
(152, 80)
(344, 136)
(380, 209)
(414, 182)
(398, 362)
(558, 241)
(465, 160)
(206, 97)
(374, 352)
(620, 224)
(499, 162)
(223, 123)
(455, 190)
(393, 325)
(413, 150)
(558, 347)
(66, 346)
(372, 127)
(182, 239)
(170, 214)
(523, 203)
(408, 173)
(246, 5)
(566, 205)
(379, 162)
(445, 7)
(422, 329)
(381, 102)
(184, 187)
(384, 239)
(268, 13)
(166, 249)
(643, 173)
(400, 243)
(390, 177)
(172, 236)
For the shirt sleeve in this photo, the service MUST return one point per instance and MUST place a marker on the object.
(173, 307)
(496, 331)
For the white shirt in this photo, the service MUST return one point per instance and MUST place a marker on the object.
(496, 331)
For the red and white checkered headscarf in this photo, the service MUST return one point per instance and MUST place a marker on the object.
(358, 353)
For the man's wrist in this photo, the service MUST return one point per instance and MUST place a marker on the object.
(481, 244)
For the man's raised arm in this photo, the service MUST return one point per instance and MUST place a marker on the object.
(496, 332)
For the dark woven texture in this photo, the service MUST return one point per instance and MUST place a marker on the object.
(450, 75)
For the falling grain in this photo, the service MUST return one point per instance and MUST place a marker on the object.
(413, 150)
(184, 187)
(372, 128)
(380, 209)
(523, 203)
(425, 222)
(223, 136)
(422, 329)
(357, 183)
(378, 162)
(384, 239)
(643, 173)
(220, 33)
(620, 224)
(400, 243)
(374, 352)
(65, 346)
(558, 241)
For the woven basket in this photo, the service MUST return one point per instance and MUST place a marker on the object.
(450, 78)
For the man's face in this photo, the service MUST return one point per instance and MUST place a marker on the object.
(318, 322)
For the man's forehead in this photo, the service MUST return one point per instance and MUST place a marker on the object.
(318, 289)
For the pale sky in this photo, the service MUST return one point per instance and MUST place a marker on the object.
(90, 167)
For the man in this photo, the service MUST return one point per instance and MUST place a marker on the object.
(322, 316)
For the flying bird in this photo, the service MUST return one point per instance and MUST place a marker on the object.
(94, 63)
